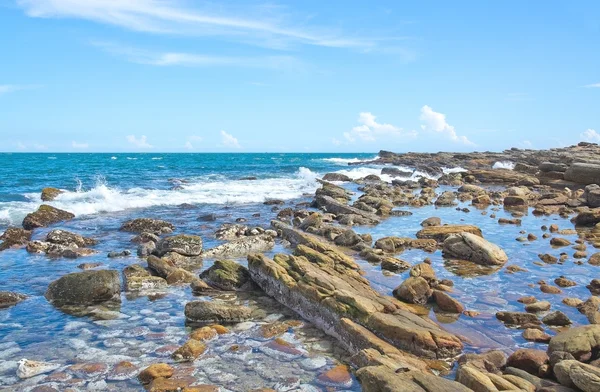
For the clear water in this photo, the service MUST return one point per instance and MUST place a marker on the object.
(103, 190)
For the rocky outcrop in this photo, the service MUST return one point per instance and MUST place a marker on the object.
(85, 288)
(227, 275)
(383, 379)
(336, 207)
(183, 244)
(575, 374)
(399, 244)
(216, 311)
(580, 342)
(49, 193)
(9, 298)
(324, 292)
(14, 237)
(440, 233)
(241, 247)
(583, 173)
(467, 246)
(45, 216)
(58, 250)
(336, 177)
(147, 225)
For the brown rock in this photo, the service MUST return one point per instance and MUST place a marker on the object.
(528, 359)
(157, 370)
(191, 350)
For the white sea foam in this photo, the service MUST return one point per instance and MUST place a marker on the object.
(504, 165)
(105, 198)
(449, 170)
(113, 158)
(156, 158)
(346, 161)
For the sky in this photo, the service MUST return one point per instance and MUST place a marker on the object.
(303, 76)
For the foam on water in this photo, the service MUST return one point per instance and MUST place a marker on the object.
(504, 165)
(346, 161)
(207, 190)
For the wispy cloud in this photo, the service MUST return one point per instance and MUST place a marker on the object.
(590, 135)
(78, 145)
(593, 85)
(170, 59)
(434, 121)
(11, 88)
(264, 25)
(229, 140)
(140, 142)
(191, 141)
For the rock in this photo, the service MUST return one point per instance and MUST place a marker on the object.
(393, 264)
(147, 225)
(529, 360)
(28, 368)
(138, 279)
(545, 288)
(9, 298)
(385, 379)
(580, 375)
(85, 288)
(587, 218)
(399, 244)
(336, 177)
(595, 259)
(535, 335)
(556, 318)
(335, 297)
(226, 275)
(447, 303)
(446, 199)
(517, 318)
(396, 172)
(204, 334)
(45, 216)
(231, 231)
(241, 247)
(592, 195)
(57, 250)
(334, 206)
(114, 254)
(540, 306)
(414, 290)
(467, 246)
(583, 173)
(515, 201)
(475, 380)
(213, 311)
(154, 371)
(594, 286)
(49, 193)
(561, 281)
(440, 233)
(558, 242)
(433, 221)
(338, 376)
(183, 244)
(348, 238)
(191, 350)
(63, 237)
(577, 341)
(313, 220)
(573, 302)
(180, 276)
(14, 237)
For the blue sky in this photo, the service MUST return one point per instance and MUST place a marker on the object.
(347, 76)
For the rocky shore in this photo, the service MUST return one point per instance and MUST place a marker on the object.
(321, 262)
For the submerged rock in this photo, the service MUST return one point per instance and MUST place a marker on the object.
(85, 288)
(147, 225)
(467, 246)
(214, 311)
(28, 368)
(45, 216)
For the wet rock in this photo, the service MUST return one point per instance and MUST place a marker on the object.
(517, 318)
(14, 237)
(446, 303)
(545, 288)
(529, 360)
(573, 302)
(414, 290)
(63, 237)
(556, 318)
(558, 242)
(348, 238)
(147, 225)
(393, 264)
(467, 246)
(385, 379)
(180, 276)
(594, 286)
(336, 177)
(9, 298)
(191, 350)
(540, 306)
(122, 371)
(226, 275)
(446, 199)
(204, 334)
(58, 251)
(547, 258)
(45, 216)
(28, 368)
(580, 342)
(241, 247)
(399, 244)
(578, 375)
(440, 233)
(136, 278)
(183, 244)
(561, 281)
(587, 218)
(85, 288)
(213, 311)
(333, 191)
(535, 335)
(154, 371)
(145, 249)
(114, 254)
(334, 206)
(49, 193)
(527, 300)
(515, 201)
(433, 221)
(338, 376)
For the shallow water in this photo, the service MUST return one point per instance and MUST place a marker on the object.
(104, 192)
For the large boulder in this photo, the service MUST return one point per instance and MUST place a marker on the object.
(14, 237)
(147, 225)
(440, 233)
(85, 288)
(226, 275)
(184, 244)
(216, 311)
(63, 237)
(241, 247)
(49, 193)
(45, 216)
(583, 173)
(581, 342)
(467, 246)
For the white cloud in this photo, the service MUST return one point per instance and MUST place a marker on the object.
(229, 140)
(370, 130)
(189, 145)
(593, 85)
(264, 25)
(434, 121)
(590, 135)
(75, 144)
(139, 143)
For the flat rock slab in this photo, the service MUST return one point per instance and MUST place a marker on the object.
(440, 233)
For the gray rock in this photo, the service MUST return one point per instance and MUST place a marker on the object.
(149, 225)
(9, 298)
(467, 246)
(583, 173)
(214, 311)
(45, 216)
(241, 247)
(184, 244)
(85, 288)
